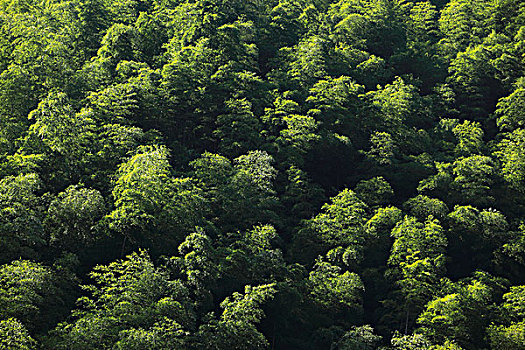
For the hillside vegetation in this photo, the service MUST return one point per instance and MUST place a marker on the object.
(262, 174)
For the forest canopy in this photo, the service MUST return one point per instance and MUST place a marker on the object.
(262, 174)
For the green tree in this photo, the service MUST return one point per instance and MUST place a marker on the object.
(374, 192)
(463, 315)
(510, 335)
(214, 174)
(421, 55)
(379, 241)
(299, 137)
(149, 202)
(21, 216)
(238, 131)
(374, 26)
(417, 263)
(240, 193)
(382, 148)
(507, 337)
(409, 342)
(510, 109)
(198, 261)
(470, 138)
(118, 44)
(479, 75)
(14, 336)
(473, 180)
(336, 103)
(510, 153)
(336, 291)
(461, 23)
(307, 62)
(235, 329)
(359, 338)
(341, 223)
(302, 196)
(115, 144)
(65, 134)
(73, 217)
(422, 206)
(131, 302)
(475, 237)
(254, 180)
(250, 257)
(35, 294)
(515, 246)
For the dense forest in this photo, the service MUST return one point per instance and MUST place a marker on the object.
(262, 174)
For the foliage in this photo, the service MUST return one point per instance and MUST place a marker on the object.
(148, 201)
(34, 294)
(15, 336)
(358, 338)
(130, 303)
(20, 217)
(284, 174)
(335, 290)
(73, 215)
(235, 328)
